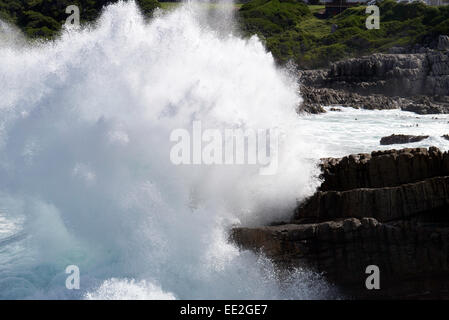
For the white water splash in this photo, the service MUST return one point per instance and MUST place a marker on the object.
(84, 161)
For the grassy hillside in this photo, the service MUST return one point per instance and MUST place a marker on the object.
(290, 28)
(169, 5)
(44, 18)
(292, 31)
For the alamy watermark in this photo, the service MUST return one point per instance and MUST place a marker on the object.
(73, 280)
(226, 147)
(372, 21)
(373, 280)
(74, 19)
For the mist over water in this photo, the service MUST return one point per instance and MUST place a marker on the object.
(85, 173)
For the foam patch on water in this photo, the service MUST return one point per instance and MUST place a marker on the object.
(339, 133)
(116, 289)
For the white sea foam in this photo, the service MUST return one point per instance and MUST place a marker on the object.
(337, 134)
(85, 123)
(117, 289)
(85, 173)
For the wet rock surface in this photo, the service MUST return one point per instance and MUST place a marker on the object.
(401, 139)
(388, 208)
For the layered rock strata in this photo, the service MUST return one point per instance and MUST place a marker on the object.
(387, 208)
(416, 82)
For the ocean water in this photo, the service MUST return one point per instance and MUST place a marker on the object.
(85, 173)
(351, 131)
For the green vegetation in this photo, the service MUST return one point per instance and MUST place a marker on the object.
(291, 29)
(44, 18)
(293, 32)
(170, 5)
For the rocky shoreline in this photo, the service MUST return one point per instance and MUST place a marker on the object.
(416, 82)
(388, 208)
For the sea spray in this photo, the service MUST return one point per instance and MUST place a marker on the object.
(85, 171)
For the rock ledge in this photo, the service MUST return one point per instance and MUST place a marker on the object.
(388, 208)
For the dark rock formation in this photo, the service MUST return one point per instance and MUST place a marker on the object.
(387, 208)
(401, 139)
(443, 42)
(417, 82)
(316, 98)
(384, 204)
(394, 74)
(389, 168)
(446, 136)
(412, 256)
(428, 106)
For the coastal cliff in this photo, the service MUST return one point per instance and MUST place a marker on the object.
(387, 208)
(417, 82)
